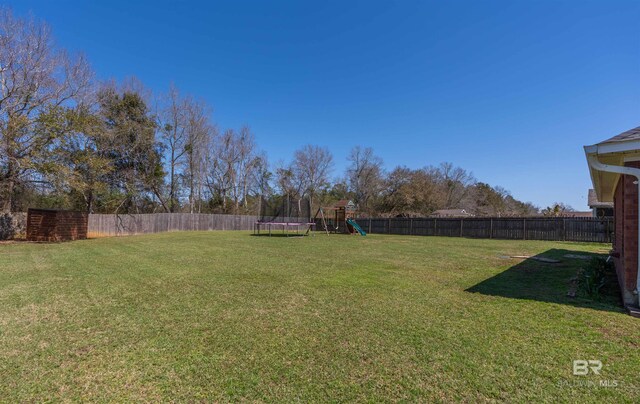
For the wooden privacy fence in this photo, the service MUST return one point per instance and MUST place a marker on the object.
(530, 228)
(121, 225)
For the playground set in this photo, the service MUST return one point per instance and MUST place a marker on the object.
(292, 216)
(339, 218)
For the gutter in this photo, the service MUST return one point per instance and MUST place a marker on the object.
(592, 158)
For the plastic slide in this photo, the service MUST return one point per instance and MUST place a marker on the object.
(356, 226)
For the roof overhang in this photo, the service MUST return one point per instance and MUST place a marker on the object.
(612, 153)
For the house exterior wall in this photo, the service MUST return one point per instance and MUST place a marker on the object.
(626, 237)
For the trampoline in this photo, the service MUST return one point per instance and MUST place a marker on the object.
(286, 215)
(287, 228)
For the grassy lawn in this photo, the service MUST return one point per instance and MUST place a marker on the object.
(228, 316)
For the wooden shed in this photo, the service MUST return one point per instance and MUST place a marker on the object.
(56, 225)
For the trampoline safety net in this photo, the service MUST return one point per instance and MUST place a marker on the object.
(284, 209)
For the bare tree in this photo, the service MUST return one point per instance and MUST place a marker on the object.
(364, 175)
(285, 180)
(248, 162)
(221, 163)
(186, 132)
(261, 176)
(233, 167)
(35, 76)
(456, 182)
(199, 131)
(288, 184)
(173, 124)
(312, 166)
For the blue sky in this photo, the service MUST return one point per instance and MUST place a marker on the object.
(508, 90)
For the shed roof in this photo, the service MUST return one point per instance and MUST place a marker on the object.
(344, 202)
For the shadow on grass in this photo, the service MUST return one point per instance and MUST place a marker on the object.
(550, 282)
(290, 235)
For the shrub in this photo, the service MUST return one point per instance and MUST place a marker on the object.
(594, 277)
(12, 225)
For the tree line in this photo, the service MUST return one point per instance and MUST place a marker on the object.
(70, 141)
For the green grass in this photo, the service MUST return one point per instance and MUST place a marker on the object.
(226, 316)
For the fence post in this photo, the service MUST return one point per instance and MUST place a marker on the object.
(491, 228)
(410, 227)
(369, 225)
(524, 228)
(564, 229)
(389, 228)
(435, 227)
(461, 225)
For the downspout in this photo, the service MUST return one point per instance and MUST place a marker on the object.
(592, 158)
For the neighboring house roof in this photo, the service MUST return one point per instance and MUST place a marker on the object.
(617, 150)
(451, 213)
(595, 203)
